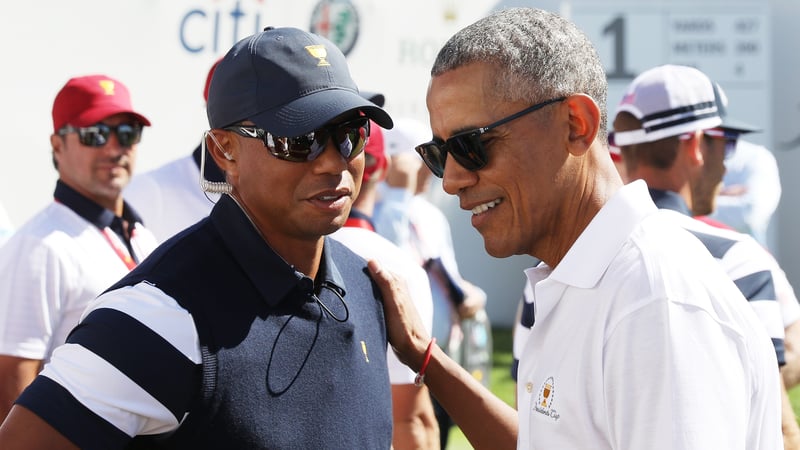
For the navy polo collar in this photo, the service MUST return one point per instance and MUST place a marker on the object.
(669, 200)
(91, 211)
(270, 274)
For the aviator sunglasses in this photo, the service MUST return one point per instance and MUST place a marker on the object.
(350, 138)
(97, 135)
(466, 147)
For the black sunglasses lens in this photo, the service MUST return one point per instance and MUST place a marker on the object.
(351, 137)
(467, 150)
(97, 135)
(434, 157)
(94, 136)
(127, 135)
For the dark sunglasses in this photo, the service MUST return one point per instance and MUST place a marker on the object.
(730, 137)
(350, 138)
(466, 147)
(97, 135)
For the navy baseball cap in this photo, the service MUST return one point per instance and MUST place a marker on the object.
(288, 82)
(728, 123)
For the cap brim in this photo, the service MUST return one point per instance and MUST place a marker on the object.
(94, 115)
(374, 97)
(738, 126)
(312, 111)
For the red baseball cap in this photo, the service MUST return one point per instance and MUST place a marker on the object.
(86, 100)
(375, 149)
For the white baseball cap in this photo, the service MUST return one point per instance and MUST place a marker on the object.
(406, 134)
(668, 100)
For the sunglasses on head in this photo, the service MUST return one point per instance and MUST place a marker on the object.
(350, 138)
(466, 147)
(730, 137)
(97, 135)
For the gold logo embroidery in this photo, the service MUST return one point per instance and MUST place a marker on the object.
(320, 52)
(107, 86)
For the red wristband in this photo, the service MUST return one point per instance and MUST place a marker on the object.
(420, 378)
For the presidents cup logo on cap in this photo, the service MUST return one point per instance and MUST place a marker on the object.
(107, 86)
(265, 79)
(319, 52)
(86, 100)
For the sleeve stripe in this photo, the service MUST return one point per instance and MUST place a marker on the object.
(757, 286)
(159, 312)
(62, 411)
(142, 355)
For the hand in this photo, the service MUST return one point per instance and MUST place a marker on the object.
(405, 329)
(474, 301)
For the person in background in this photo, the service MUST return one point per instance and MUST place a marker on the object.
(6, 228)
(415, 425)
(83, 242)
(251, 329)
(683, 165)
(640, 340)
(406, 217)
(170, 197)
(751, 191)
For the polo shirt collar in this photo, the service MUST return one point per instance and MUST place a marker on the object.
(91, 211)
(589, 257)
(670, 200)
(271, 275)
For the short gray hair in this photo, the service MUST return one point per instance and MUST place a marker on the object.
(538, 54)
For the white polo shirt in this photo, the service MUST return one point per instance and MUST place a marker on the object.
(50, 269)
(637, 344)
(169, 198)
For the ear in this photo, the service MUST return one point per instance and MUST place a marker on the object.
(690, 147)
(222, 148)
(584, 122)
(57, 144)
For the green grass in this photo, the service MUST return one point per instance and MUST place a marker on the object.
(794, 397)
(500, 382)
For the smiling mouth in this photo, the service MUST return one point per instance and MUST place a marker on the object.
(482, 208)
(329, 198)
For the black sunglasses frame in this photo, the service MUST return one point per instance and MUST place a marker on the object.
(466, 147)
(309, 146)
(97, 135)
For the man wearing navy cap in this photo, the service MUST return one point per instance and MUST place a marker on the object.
(83, 241)
(250, 329)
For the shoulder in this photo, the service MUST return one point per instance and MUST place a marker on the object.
(172, 173)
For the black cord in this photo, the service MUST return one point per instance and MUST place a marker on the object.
(323, 307)
(277, 392)
(333, 289)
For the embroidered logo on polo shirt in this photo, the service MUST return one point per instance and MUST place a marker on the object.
(545, 398)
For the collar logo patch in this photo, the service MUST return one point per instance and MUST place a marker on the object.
(320, 52)
(545, 399)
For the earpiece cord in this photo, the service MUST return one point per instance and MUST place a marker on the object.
(341, 299)
(214, 187)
